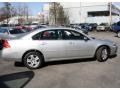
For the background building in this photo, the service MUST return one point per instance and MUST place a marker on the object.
(92, 12)
(22, 20)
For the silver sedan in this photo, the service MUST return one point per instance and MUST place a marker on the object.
(49, 44)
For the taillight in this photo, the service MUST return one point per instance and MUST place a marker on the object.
(6, 44)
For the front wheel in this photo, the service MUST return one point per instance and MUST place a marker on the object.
(102, 54)
(33, 60)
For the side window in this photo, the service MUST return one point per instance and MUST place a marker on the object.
(36, 37)
(49, 35)
(72, 35)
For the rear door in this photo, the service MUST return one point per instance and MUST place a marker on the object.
(52, 45)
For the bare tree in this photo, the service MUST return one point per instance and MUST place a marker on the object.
(23, 11)
(2, 14)
(57, 14)
(62, 17)
(7, 11)
(41, 18)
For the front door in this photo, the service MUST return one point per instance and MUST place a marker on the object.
(75, 44)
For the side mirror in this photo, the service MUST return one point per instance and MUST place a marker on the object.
(86, 39)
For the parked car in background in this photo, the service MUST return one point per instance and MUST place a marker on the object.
(49, 44)
(16, 31)
(4, 31)
(33, 26)
(7, 33)
(42, 26)
(12, 31)
(93, 26)
(19, 26)
(77, 27)
(116, 28)
(71, 25)
(103, 27)
(6, 26)
(86, 26)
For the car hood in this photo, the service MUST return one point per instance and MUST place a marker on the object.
(105, 41)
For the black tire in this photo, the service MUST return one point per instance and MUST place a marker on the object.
(99, 54)
(36, 55)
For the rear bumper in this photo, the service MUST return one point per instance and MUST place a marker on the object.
(9, 55)
(11, 59)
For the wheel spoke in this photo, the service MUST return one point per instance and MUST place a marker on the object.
(36, 58)
(33, 60)
(36, 63)
(30, 64)
(29, 60)
(104, 54)
(31, 56)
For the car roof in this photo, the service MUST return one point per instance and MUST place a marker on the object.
(28, 35)
(51, 28)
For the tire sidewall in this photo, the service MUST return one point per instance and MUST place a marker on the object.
(33, 53)
(99, 54)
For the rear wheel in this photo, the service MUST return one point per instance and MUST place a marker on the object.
(102, 54)
(33, 60)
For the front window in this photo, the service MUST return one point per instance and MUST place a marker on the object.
(73, 35)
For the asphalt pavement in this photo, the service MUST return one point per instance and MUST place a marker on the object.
(82, 73)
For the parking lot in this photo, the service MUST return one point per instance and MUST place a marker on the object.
(72, 74)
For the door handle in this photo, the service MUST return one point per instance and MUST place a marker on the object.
(44, 43)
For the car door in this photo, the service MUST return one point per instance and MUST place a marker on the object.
(77, 45)
(51, 44)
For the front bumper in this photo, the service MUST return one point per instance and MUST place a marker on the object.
(113, 50)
